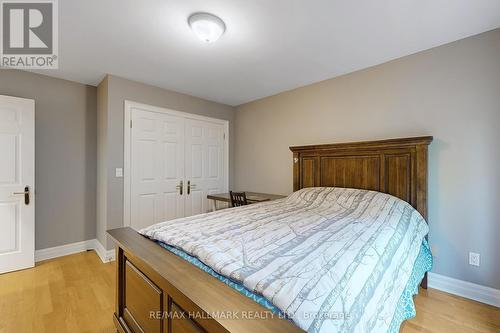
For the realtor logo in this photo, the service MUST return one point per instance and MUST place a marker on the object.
(29, 34)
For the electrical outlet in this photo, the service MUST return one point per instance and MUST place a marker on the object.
(474, 259)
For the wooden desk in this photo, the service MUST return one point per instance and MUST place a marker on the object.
(252, 197)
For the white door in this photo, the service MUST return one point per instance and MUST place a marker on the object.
(17, 173)
(204, 163)
(157, 167)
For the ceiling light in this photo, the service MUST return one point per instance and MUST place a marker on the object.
(206, 26)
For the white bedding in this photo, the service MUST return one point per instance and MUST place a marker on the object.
(332, 259)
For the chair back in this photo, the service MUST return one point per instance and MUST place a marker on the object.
(238, 199)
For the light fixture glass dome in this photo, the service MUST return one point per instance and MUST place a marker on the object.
(206, 27)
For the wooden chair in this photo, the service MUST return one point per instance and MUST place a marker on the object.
(238, 199)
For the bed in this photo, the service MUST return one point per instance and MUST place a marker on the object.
(343, 253)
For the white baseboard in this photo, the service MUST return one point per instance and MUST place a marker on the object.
(67, 249)
(105, 255)
(465, 289)
(63, 250)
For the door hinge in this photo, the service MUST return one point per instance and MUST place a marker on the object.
(130, 123)
(224, 136)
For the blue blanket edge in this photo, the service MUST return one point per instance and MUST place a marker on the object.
(406, 307)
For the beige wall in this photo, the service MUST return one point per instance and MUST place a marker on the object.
(451, 92)
(119, 90)
(65, 155)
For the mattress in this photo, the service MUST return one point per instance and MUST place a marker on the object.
(329, 259)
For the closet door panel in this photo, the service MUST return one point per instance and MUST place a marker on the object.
(204, 163)
(157, 167)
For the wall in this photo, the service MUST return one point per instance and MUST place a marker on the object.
(65, 155)
(119, 90)
(451, 92)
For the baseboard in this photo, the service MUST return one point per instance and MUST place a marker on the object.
(465, 289)
(67, 249)
(105, 255)
(63, 250)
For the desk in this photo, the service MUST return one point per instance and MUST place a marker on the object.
(252, 197)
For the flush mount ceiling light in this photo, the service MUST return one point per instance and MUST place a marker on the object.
(206, 26)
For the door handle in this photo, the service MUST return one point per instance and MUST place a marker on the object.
(190, 186)
(180, 187)
(26, 194)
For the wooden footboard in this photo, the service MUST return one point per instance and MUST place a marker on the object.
(159, 292)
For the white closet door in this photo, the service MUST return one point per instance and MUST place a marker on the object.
(17, 181)
(204, 163)
(157, 167)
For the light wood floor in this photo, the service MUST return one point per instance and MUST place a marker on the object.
(76, 294)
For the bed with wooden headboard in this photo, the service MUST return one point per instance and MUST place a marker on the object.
(157, 291)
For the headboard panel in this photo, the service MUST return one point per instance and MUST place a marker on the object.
(395, 166)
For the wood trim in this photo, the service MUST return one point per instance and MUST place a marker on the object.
(421, 178)
(414, 180)
(296, 171)
(370, 145)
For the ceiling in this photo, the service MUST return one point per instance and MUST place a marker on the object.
(269, 46)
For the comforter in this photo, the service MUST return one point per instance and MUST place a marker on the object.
(331, 259)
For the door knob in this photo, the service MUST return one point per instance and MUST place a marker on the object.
(26, 194)
(180, 187)
(190, 186)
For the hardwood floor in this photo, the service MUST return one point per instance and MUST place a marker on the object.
(76, 294)
(68, 294)
(438, 312)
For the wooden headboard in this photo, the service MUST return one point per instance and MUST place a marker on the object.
(396, 166)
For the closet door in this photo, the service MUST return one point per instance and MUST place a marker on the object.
(157, 167)
(204, 164)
